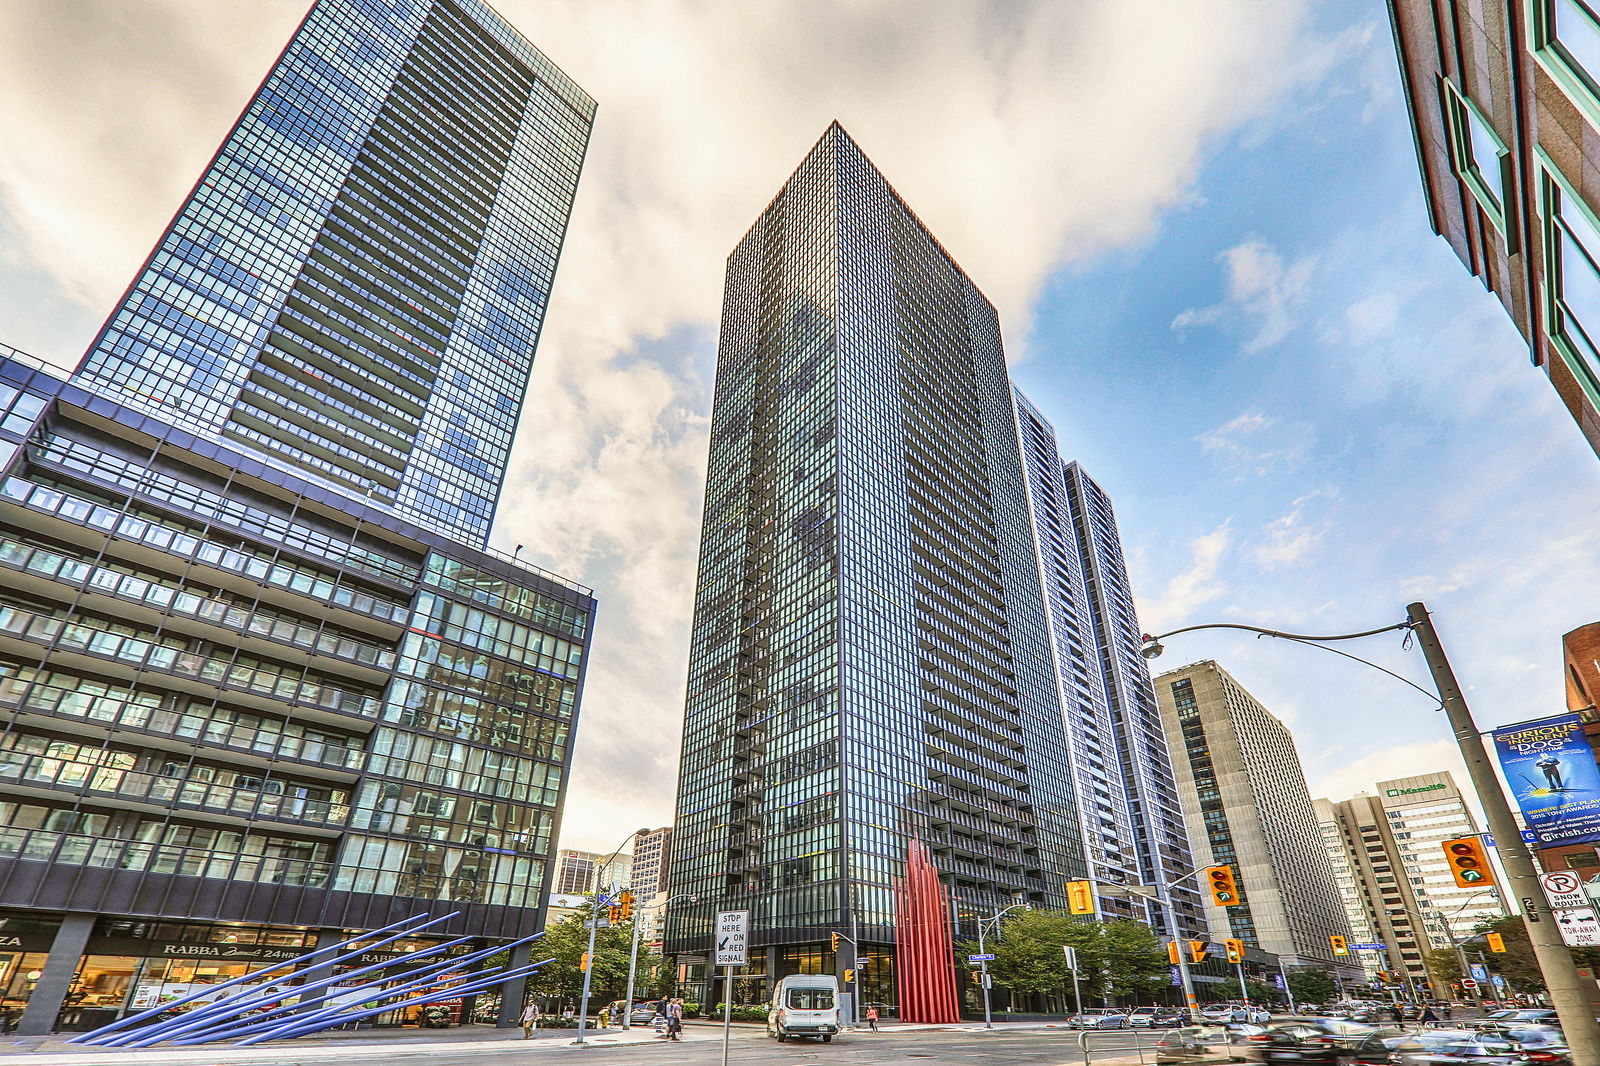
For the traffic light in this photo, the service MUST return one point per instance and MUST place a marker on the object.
(1197, 950)
(1468, 863)
(977, 977)
(614, 913)
(1080, 897)
(584, 965)
(1172, 953)
(625, 904)
(1235, 950)
(835, 941)
(849, 977)
(1383, 975)
(1340, 945)
(1224, 893)
(1497, 943)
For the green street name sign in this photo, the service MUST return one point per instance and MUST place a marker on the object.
(1409, 791)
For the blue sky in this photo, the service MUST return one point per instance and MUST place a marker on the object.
(1202, 225)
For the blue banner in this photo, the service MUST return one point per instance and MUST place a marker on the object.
(1551, 769)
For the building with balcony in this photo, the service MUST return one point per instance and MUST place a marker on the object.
(264, 684)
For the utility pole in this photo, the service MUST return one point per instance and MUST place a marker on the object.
(1561, 979)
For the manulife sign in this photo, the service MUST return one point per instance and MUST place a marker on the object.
(1408, 791)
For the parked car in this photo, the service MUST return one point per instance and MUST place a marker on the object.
(1222, 1013)
(1170, 1018)
(1099, 1018)
(1294, 1044)
(1143, 1017)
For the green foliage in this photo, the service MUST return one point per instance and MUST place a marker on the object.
(1313, 986)
(1260, 992)
(1115, 959)
(1517, 965)
(742, 1012)
(565, 942)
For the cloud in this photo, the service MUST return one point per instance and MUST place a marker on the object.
(1263, 289)
(1254, 444)
(1344, 779)
(1192, 588)
(1289, 538)
(1027, 136)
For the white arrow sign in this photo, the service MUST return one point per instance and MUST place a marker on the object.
(1564, 890)
(1579, 928)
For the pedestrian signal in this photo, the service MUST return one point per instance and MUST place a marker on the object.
(1469, 865)
(1172, 953)
(1340, 945)
(977, 977)
(1197, 950)
(849, 976)
(625, 904)
(1497, 943)
(614, 913)
(1224, 893)
(1235, 950)
(584, 964)
(1080, 897)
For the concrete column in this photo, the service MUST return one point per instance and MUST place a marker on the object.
(512, 991)
(326, 938)
(50, 991)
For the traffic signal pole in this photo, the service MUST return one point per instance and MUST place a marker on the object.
(1555, 960)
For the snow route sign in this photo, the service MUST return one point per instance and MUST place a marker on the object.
(733, 938)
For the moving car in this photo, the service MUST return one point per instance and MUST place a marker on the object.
(1521, 1046)
(1377, 1045)
(1539, 1015)
(1194, 1044)
(1292, 1043)
(1099, 1018)
(805, 1005)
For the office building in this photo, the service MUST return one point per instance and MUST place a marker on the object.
(264, 684)
(1392, 843)
(356, 285)
(651, 851)
(1244, 790)
(1128, 802)
(870, 658)
(1505, 109)
(579, 873)
(1352, 890)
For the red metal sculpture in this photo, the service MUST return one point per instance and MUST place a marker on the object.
(924, 969)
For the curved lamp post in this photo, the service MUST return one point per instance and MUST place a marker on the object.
(633, 954)
(992, 921)
(594, 924)
(1567, 992)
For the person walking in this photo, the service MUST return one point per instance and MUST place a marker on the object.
(1428, 1015)
(530, 1019)
(872, 1018)
(674, 1018)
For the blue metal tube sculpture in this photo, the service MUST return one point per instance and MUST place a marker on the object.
(122, 1023)
(214, 1026)
(413, 979)
(229, 1010)
(341, 1019)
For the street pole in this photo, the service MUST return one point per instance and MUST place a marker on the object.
(1287, 991)
(1244, 991)
(983, 969)
(1183, 960)
(594, 925)
(727, 1010)
(1555, 960)
(633, 965)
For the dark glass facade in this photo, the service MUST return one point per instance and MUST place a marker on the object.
(356, 286)
(232, 695)
(870, 656)
(1132, 817)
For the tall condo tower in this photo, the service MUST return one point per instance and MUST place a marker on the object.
(1133, 825)
(356, 285)
(870, 657)
(262, 682)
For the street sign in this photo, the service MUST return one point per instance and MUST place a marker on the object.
(1467, 982)
(1579, 928)
(1480, 972)
(1564, 890)
(862, 962)
(1072, 956)
(1528, 837)
(733, 938)
(1370, 947)
(980, 958)
(597, 923)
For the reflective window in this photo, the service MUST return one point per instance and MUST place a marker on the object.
(1572, 276)
(1480, 158)
(1565, 39)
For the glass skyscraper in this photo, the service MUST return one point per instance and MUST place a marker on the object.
(1127, 797)
(262, 683)
(356, 285)
(870, 655)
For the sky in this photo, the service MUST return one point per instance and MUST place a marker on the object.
(1202, 225)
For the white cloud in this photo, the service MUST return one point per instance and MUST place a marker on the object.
(1193, 587)
(1263, 290)
(1344, 777)
(1255, 444)
(1290, 537)
(1027, 136)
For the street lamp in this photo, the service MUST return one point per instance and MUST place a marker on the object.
(594, 924)
(992, 920)
(1561, 979)
(633, 953)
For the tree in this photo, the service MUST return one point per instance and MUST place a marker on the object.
(1443, 967)
(564, 944)
(1115, 959)
(1517, 964)
(1260, 992)
(1313, 986)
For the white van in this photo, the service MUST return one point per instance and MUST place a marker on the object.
(805, 1005)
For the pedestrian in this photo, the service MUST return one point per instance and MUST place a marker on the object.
(1448, 1010)
(872, 1018)
(1428, 1015)
(674, 1018)
(530, 1019)
(567, 1013)
(1397, 1013)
